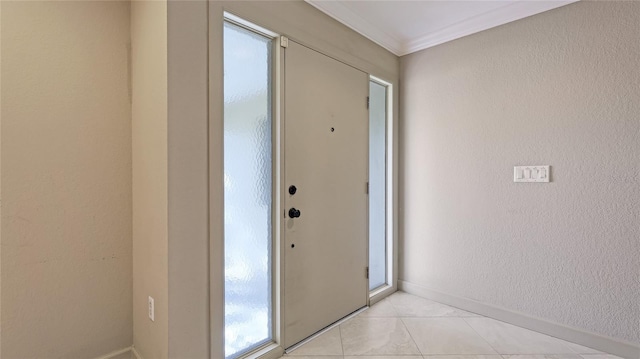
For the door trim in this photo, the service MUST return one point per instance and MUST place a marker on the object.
(298, 32)
(391, 172)
(272, 347)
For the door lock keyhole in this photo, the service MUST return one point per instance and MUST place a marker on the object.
(292, 190)
(294, 213)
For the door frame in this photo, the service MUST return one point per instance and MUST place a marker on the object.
(252, 17)
(270, 349)
(380, 293)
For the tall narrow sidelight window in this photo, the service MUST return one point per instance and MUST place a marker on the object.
(247, 189)
(377, 185)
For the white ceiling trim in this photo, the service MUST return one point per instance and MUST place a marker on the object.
(357, 23)
(508, 13)
(500, 16)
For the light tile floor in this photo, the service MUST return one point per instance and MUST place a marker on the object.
(404, 326)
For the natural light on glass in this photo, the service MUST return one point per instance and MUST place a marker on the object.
(247, 189)
(377, 185)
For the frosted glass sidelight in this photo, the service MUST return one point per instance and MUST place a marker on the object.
(247, 189)
(377, 185)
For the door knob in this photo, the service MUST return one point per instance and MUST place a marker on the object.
(294, 213)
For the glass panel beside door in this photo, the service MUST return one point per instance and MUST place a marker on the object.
(247, 189)
(377, 185)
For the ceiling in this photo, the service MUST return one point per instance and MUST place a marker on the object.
(403, 27)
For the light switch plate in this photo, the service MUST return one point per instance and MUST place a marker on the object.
(531, 173)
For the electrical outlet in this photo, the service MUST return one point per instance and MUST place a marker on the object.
(152, 309)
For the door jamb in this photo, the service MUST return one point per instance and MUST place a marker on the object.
(391, 286)
(274, 349)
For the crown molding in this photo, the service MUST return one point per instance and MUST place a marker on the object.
(513, 11)
(357, 23)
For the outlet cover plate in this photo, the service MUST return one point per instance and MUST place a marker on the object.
(152, 309)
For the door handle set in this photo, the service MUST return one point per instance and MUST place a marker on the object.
(293, 213)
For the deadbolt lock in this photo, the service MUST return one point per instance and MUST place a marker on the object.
(294, 213)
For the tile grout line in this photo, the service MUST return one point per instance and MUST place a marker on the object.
(505, 355)
(393, 307)
(341, 342)
(575, 354)
(411, 336)
(481, 337)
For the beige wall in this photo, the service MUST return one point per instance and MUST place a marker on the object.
(561, 89)
(150, 213)
(188, 179)
(66, 179)
(158, 149)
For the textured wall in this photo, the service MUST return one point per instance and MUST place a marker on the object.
(150, 213)
(561, 88)
(66, 179)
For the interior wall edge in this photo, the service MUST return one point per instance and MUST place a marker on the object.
(188, 221)
(572, 334)
(150, 176)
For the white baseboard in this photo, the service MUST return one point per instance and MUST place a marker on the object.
(117, 353)
(561, 331)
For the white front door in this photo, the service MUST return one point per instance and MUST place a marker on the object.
(325, 158)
